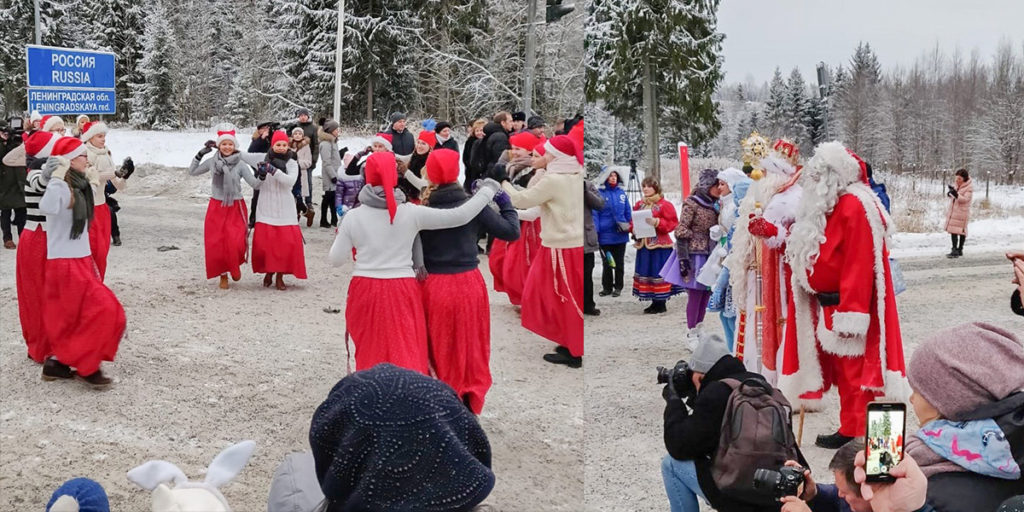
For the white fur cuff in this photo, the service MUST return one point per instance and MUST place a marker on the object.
(847, 347)
(851, 323)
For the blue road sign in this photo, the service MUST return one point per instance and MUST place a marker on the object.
(75, 101)
(67, 68)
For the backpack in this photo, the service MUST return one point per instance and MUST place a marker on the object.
(757, 433)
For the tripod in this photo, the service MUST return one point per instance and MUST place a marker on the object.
(633, 190)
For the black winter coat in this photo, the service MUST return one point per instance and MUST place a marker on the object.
(454, 250)
(260, 145)
(970, 492)
(467, 151)
(487, 152)
(12, 179)
(402, 144)
(448, 144)
(695, 436)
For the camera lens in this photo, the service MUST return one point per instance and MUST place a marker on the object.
(766, 479)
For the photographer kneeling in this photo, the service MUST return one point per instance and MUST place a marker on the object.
(692, 440)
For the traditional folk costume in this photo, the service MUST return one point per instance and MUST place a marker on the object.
(30, 267)
(384, 311)
(277, 239)
(101, 169)
(553, 292)
(454, 294)
(84, 320)
(512, 260)
(765, 217)
(652, 253)
(842, 293)
(225, 231)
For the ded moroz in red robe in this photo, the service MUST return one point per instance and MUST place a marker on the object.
(853, 262)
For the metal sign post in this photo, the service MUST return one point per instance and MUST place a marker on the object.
(64, 81)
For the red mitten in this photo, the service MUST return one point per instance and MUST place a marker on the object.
(762, 228)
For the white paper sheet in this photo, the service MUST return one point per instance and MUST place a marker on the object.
(640, 226)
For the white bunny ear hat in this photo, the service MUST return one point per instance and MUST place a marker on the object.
(188, 496)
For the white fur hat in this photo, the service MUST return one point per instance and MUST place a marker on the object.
(833, 157)
(188, 496)
(93, 129)
(226, 131)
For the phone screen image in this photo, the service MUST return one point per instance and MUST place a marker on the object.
(885, 438)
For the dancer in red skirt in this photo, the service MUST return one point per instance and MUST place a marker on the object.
(226, 229)
(384, 312)
(521, 253)
(84, 320)
(30, 267)
(101, 169)
(454, 294)
(553, 294)
(277, 241)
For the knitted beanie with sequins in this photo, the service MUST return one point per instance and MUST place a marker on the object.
(388, 438)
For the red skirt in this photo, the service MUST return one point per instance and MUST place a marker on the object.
(84, 319)
(30, 276)
(385, 319)
(99, 237)
(278, 249)
(459, 333)
(518, 258)
(496, 261)
(553, 297)
(225, 233)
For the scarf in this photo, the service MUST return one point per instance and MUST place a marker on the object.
(977, 446)
(417, 162)
(374, 197)
(225, 169)
(81, 202)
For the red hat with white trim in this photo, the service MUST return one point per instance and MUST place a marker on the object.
(93, 129)
(68, 147)
(383, 138)
(40, 144)
(51, 123)
(564, 146)
(524, 140)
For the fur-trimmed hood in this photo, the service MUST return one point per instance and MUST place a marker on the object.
(325, 137)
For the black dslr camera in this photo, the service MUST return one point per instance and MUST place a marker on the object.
(681, 377)
(787, 481)
(14, 127)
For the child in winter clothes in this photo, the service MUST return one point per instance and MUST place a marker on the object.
(225, 229)
(299, 145)
(330, 158)
(384, 313)
(454, 294)
(351, 183)
(84, 320)
(100, 171)
(277, 240)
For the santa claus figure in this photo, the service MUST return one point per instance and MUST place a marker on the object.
(757, 259)
(844, 328)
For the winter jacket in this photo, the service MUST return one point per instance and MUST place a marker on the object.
(696, 217)
(960, 209)
(694, 436)
(101, 170)
(454, 250)
(309, 129)
(614, 218)
(448, 144)
(467, 153)
(259, 144)
(970, 492)
(385, 246)
(488, 150)
(666, 213)
(276, 206)
(402, 143)
(241, 168)
(592, 200)
(59, 219)
(13, 178)
(355, 167)
(330, 157)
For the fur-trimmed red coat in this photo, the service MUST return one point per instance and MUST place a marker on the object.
(854, 262)
(667, 222)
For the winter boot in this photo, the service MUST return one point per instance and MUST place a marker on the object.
(280, 282)
(268, 279)
(9, 244)
(832, 441)
(54, 370)
(116, 242)
(693, 336)
(959, 252)
(616, 292)
(97, 380)
(559, 358)
(604, 293)
(952, 253)
(309, 216)
(593, 311)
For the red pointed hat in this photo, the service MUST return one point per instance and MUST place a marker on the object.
(576, 134)
(50, 122)
(279, 136)
(524, 140)
(40, 144)
(429, 137)
(863, 167)
(92, 129)
(382, 171)
(564, 145)
(68, 147)
(443, 166)
(383, 138)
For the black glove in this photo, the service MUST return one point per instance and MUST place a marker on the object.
(342, 151)
(498, 173)
(210, 144)
(202, 152)
(684, 267)
(334, 181)
(952, 192)
(127, 168)
(261, 170)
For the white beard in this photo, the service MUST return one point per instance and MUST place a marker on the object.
(820, 193)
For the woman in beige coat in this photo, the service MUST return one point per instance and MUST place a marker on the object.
(959, 211)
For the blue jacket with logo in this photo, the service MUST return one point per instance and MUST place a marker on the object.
(617, 212)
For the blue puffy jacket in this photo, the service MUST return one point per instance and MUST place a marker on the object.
(616, 210)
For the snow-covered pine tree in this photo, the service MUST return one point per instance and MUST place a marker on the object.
(858, 99)
(154, 99)
(775, 108)
(13, 14)
(58, 22)
(115, 26)
(632, 66)
(598, 139)
(797, 120)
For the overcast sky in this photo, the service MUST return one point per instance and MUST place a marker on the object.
(760, 35)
